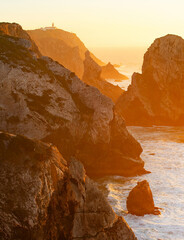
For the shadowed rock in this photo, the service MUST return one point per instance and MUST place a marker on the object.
(140, 200)
(42, 198)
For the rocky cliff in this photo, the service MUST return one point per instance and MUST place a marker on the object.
(69, 50)
(15, 30)
(41, 99)
(92, 76)
(156, 97)
(64, 47)
(42, 198)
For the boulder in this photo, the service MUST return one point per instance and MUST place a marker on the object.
(140, 200)
(41, 99)
(44, 198)
(156, 97)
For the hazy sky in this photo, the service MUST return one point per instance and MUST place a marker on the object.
(107, 23)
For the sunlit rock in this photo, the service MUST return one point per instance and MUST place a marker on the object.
(140, 200)
(41, 99)
(156, 96)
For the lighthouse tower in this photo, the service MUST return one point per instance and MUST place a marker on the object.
(53, 25)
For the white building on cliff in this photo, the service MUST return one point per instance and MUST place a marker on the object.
(49, 28)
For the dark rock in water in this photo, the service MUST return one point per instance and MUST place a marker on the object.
(44, 198)
(156, 97)
(42, 100)
(140, 200)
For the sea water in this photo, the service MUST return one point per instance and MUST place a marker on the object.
(164, 156)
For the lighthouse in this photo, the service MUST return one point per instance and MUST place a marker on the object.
(49, 28)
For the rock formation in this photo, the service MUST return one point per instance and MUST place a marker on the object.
(42, 198)
(140, 200)
(92, 76)
(110, 72)
(64, 47)
(15, 30)
(69, 50)
(42, 100)
(156, 96)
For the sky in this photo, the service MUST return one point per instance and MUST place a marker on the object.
(101, 23)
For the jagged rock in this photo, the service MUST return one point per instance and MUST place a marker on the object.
(156, 97)
(15, 30)
(42, 198)
(69, 50)
(42, 100)
(140, 200)
(110, 72)
(92, 76)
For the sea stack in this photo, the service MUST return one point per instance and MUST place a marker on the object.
(140, 200)
(156, 96)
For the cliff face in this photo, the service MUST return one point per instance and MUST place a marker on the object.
(92, 76)
(42, 198)
(41, 99)
(156, 96)
(69, 50)
(64, 47)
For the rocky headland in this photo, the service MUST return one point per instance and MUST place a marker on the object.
(70, 51)
(156, 96)
(41, 99)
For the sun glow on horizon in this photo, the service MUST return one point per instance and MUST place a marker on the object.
(101, 23)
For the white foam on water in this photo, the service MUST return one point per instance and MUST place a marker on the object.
(164, 156)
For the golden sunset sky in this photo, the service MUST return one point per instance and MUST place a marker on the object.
(101, 23)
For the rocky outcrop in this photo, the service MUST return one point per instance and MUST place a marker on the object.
(15, 30)
(64, 47)
(92, 76)
(42, 198)
(42, 100)
(156, 97)
(140, 200)
(69, 50)
(110, 72)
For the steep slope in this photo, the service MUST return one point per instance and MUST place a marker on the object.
(64, 47)
(44, 199)
(92, 76)
(41, 99)
(156, 97)
(68, 50)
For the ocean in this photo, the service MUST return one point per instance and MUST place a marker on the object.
(163, 154)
